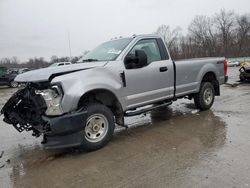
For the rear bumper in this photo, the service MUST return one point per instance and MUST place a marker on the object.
(65, 131)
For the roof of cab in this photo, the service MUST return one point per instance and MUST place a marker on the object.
(146, 36)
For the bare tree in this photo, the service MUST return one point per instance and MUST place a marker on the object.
(202, 35)
(85, 52)
(5, 60)
(224, 34)
(225, 22)
(12, 62)
(186, 48)
(170, 37)
(243, 34)
(53, 59)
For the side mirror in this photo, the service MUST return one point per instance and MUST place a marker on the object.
(136, 61)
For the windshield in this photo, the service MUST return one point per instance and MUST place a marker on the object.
(107, 51)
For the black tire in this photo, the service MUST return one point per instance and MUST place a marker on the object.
(95, 111)
(205, 98)
(242, 79)
(13, 84)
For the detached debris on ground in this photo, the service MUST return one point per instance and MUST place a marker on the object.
(233, 84)
(1, 155)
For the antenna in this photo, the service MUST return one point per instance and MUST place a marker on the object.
(69, 43)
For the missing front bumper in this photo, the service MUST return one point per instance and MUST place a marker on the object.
(25, 110)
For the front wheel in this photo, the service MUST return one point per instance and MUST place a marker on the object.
(205, 98)
(99, 127)
(13, 84)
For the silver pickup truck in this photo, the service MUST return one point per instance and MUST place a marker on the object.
(78, 105)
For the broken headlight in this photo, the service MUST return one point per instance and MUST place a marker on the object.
(53, 97)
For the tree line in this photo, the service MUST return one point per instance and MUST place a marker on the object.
(35, 63)
(224, 34)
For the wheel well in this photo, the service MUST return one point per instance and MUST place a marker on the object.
(210, 77)
(106, 98)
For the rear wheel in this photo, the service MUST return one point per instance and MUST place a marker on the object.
(99, 127)
(205, 98)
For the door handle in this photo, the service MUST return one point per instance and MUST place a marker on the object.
(163, 69)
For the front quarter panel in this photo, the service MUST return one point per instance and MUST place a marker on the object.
(79, 83)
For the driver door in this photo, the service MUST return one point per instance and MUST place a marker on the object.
(153, 82)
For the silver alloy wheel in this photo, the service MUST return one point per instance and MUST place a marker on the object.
(13, 84)
(96, 128)
(208, 96)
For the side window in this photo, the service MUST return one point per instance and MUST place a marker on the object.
(150, 47)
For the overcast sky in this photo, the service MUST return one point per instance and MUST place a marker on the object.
(38, 28)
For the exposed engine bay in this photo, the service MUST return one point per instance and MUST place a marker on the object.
(24, 110)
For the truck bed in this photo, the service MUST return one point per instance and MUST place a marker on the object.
(189, 73)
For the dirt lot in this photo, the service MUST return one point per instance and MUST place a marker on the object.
(176, 146)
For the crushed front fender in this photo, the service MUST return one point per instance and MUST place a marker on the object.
(24, 110)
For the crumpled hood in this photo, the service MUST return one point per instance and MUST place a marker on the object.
(46, 74)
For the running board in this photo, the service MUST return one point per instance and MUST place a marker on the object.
(146, 109)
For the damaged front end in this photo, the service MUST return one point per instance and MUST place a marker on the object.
(24, 111)
(37, 108)
(244, 73)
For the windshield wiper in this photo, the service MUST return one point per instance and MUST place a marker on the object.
(89, 60)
